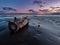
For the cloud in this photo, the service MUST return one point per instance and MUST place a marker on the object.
(39, 3)
(54, 7)
(58, 10)
(32, 11)
(1, 11)
(40, 11)
(56, 13)
(44, 10)
(8, 9)
(41, 6)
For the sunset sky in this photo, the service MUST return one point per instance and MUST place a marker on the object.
(30, 6)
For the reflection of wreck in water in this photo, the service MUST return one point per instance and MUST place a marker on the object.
(18, 24)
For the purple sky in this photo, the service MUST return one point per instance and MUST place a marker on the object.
(39, 6)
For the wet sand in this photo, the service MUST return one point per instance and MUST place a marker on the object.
(47, 34)
(24, 37)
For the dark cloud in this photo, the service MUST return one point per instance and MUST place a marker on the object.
(8, 9)
(1, 11)
(39, 2)
(41, 6)
(56, 13)
(32, 11)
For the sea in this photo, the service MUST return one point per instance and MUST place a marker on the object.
(47, 34)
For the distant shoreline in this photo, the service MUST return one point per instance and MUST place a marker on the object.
(18, 14)
(27, 14)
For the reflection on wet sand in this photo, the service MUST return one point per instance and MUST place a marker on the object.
(42, 30)
(24, 37)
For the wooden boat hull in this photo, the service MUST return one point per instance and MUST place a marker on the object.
(14, 28)
(17, 26)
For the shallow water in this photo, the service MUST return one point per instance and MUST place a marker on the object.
(47, 34)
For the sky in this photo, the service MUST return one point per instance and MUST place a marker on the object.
(30, 6)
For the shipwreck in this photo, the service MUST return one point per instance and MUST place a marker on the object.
(17, 25)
